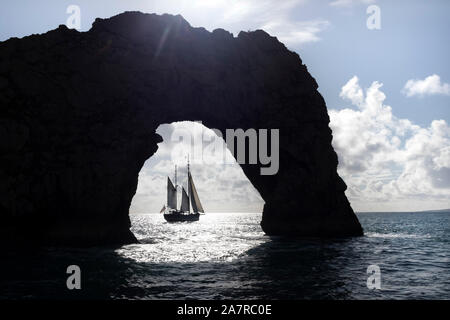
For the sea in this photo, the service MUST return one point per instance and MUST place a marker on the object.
(227, 256)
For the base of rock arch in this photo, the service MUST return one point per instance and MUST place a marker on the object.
(79, 110)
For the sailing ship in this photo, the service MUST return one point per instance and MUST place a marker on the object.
(171, 213)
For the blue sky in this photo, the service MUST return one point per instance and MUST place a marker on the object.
(333, 40)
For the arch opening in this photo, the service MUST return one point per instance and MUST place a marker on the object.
(221, 183)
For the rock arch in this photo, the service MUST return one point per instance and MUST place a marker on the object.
(79, 112)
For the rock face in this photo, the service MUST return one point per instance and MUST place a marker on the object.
(78, 114)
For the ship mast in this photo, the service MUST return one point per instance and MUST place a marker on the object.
(188, 164)
(175, 176)
(189, 189)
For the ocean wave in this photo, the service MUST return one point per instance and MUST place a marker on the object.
(396, 235)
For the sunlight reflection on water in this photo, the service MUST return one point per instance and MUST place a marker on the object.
(216, 237)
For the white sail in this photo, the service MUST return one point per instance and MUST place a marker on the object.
(171, 195)
(195, 200)
(184, 201)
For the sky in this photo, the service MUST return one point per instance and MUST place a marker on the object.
(387, 91)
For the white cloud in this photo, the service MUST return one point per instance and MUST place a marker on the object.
(352, 91)
(389, 163)
(296, 32)
(273, 16)
(431, 85)
(349, 3)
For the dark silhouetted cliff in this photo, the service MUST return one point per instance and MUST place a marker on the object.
(78, 114)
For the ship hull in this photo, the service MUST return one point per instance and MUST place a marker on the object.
(178, 216)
